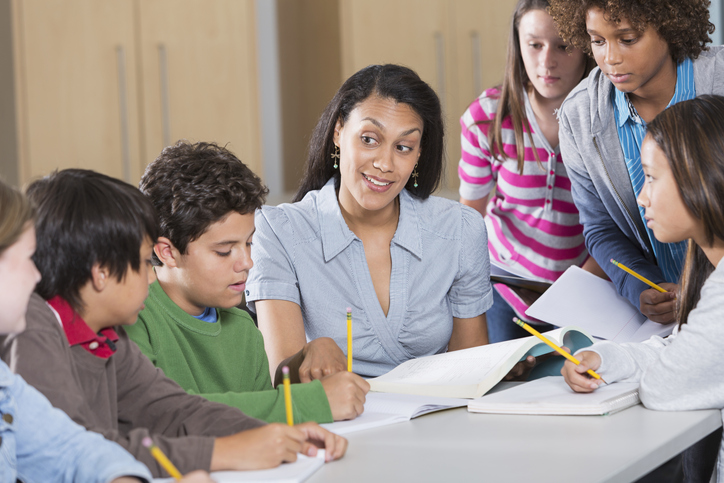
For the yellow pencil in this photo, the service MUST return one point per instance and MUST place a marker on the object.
(288, 396)
(565, 354)
(349, 339)
(643, 279)
(161, 458)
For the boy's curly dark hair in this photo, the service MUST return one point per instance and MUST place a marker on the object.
(195, 185)
(683, 24)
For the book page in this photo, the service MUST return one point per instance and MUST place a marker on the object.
(388, 408)
(458, 368)
(582, 299)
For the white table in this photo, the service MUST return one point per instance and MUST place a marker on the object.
(455, 445)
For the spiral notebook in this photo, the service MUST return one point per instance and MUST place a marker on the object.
(552, 396)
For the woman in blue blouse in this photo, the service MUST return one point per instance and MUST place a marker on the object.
(365, 233)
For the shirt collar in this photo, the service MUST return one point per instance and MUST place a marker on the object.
(685, 89)
(408, 234)
(78, 333)
(336, 235)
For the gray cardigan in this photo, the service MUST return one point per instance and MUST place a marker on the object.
(124, 397)
(685, 371)
(600, 182)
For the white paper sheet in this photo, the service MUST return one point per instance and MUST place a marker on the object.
(582, 299)
(296, 472)
(382, 409)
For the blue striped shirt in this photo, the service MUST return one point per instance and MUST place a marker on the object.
(631, 133)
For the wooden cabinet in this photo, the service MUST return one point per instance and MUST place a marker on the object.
(74, 71)
(105, 85)
(456, 46)
(199, 80)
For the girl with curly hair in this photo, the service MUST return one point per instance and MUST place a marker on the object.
(510, 144)
(650, 54)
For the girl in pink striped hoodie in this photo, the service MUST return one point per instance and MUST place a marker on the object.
(511, 169)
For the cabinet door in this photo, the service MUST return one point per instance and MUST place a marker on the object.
(76, 90)
(479, 36)
(407, 32)
(200, 75)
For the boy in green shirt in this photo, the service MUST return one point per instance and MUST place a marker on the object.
(190, 327)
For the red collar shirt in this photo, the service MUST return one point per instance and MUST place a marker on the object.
(77, 331)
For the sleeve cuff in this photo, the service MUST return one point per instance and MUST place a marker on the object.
(272, 291)
(473, 309)
(616, 364)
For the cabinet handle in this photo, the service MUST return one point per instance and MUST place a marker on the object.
(123, 113)
(440, 55)
(475, 48)
(163, 74)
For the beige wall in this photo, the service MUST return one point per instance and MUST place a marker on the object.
(8, 133)
(310, 72)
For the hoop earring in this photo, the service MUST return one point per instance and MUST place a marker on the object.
(335, 156)
(414, 175)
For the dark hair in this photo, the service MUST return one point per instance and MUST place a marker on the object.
(511, 101)
(683, 24)
(691, 135)
(389, 81)
(87, 218)
(195, 185)
(15, 214)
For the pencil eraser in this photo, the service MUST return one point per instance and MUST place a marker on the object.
(612, 260)
(147, 442)
(285, 370)
(349, 309)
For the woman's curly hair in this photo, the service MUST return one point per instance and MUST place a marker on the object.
(683, 24)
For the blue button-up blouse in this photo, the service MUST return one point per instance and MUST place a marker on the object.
(305, 253)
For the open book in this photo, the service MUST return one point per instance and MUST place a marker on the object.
(296, 472)
(551, 395)
(382, 409)
(470, 373)
(502, 274)
(582, 299)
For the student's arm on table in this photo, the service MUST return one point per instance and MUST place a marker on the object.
(274, 444)
(684, 371)
(605, 240)
(320, 401)
(237, 442)
(280, 322)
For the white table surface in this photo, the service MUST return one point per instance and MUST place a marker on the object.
(455, 445)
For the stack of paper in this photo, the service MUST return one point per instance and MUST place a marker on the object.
(551, 395)
(296, 472)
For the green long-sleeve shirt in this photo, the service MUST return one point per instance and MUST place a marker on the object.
(223, 361)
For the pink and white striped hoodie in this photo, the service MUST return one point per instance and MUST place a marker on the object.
(531, 220)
